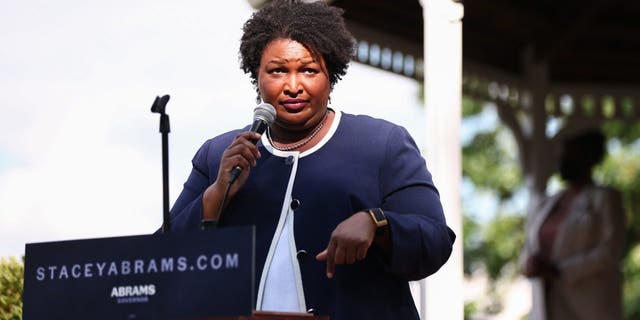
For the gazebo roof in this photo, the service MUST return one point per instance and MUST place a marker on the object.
(572, 60)
(582, 41)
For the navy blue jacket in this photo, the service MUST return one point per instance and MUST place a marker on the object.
(362, 163)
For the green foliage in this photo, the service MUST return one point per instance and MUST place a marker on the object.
(504, 237)
(470, 309)
(489, 164)
(470, 107)
(626, 132)
(472, 244)
(632, 284)
(499, 244)
(11, 275)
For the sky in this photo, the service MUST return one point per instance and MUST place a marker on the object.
(80, 151)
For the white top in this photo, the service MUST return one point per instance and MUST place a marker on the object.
(281, 282)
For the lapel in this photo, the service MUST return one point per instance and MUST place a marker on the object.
(580, 206)
(539, 218)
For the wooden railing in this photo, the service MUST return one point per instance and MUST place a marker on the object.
(592, 101)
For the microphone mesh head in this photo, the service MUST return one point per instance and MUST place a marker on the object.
(265, 112)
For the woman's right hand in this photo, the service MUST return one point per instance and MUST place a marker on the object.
(242, 153)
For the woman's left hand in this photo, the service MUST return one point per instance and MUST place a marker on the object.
(349, 242)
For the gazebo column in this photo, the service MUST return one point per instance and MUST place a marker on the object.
(440, 296)
(539, 160)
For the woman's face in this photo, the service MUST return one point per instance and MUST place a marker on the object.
(295, 83)
(575, 164)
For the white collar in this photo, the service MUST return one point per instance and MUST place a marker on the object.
(332, 129)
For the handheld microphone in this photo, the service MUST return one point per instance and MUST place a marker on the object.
(263, 116)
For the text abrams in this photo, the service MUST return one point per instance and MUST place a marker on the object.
(133, 291)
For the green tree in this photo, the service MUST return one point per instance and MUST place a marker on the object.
(490, 164)
(621, 170)
(11, 275)
(491, 240)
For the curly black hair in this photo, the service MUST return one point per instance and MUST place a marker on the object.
(316, 25)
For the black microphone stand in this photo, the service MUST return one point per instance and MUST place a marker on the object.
(159, 107)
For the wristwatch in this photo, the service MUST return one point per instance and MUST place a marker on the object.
(379, 219)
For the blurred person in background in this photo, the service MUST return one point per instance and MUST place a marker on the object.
(574, 241)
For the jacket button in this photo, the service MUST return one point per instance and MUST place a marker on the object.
(295, 203)
(302, 255)
(311, 310)
(289, 160)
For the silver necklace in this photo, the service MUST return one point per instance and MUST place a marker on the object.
(303, 142)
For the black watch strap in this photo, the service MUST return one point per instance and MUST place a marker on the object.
(378, 218)
(208, 224)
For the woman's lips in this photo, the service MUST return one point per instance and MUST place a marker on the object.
(294, 105)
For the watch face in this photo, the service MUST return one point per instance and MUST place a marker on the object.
(378, 217)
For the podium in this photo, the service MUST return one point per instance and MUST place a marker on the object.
(194, 275)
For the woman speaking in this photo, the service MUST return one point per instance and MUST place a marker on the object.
(345, 210)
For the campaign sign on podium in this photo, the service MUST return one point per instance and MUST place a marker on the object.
(162, 276)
